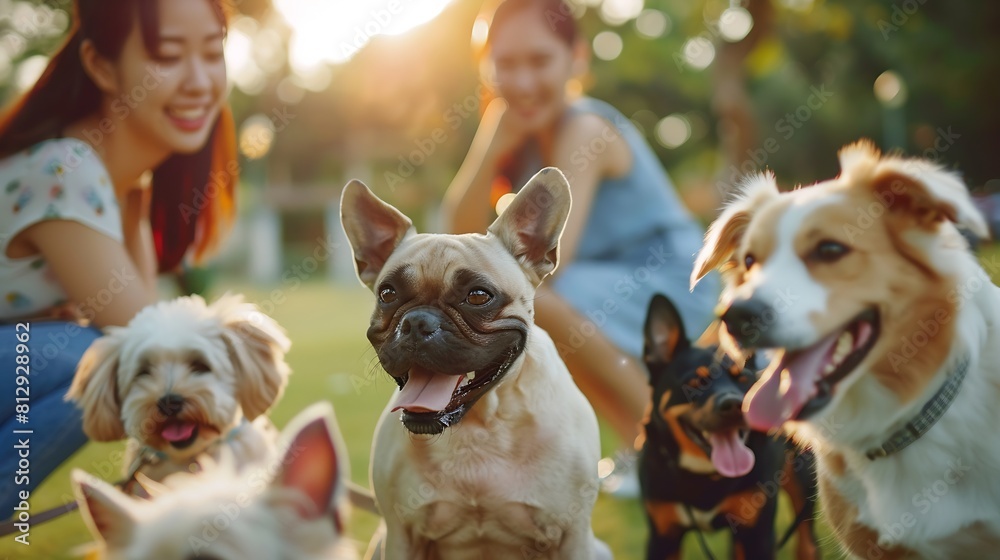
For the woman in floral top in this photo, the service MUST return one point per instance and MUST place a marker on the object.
(118, 164)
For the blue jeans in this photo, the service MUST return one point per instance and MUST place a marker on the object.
(54, 349)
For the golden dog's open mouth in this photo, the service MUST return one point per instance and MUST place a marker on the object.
(799, 383)
(432, 401)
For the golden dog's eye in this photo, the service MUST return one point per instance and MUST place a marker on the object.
(749, 261)
(387, 294)
(144, 370)
(830, 251)
(199, 366)
(479, 296)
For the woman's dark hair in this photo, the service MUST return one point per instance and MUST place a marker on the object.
(557, 13)
(193, 194)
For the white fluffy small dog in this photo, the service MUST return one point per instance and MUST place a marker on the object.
(185, 378)
(292, 507)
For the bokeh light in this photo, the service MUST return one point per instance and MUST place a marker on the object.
(256, 136)
(617, 12)
(503, 202)
(890, 89)
(652, 24)
(735, 23)
(29, 71)
(608, 45)
(699, 52)
(673, 131)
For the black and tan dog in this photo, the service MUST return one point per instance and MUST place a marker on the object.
(701, 468)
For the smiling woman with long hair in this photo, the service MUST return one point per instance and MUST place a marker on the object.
(628, 235)
(118, 164)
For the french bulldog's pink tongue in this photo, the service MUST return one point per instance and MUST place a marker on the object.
(730, 455)
(179, 431)
(766, 407)
(426, 391)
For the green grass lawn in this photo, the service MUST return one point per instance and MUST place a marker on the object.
(331, 360)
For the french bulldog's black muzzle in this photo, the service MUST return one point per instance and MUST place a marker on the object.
(426, 337)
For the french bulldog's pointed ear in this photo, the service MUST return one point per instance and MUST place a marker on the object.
(373, 227)
(531, 225)
(664, 332)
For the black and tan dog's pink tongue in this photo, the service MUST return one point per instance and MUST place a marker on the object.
(178, 431)
(426, 391)
(730, 455)
(766, 407)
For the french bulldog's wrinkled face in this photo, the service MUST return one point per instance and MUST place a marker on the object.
(453, 312)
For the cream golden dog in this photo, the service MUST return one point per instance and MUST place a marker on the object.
(184, 378)
(291, 507)
(885, 328)
(513, 473)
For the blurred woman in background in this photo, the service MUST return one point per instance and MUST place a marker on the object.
(628, 235)
(118, 164)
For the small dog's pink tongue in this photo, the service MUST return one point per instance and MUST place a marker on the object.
(426, 391)
(730, 455)
(766, 407)
(178, 431)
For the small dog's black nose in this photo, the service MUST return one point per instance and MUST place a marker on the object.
(748, 320)
(170, 405)
(726, 404)
(419, 324)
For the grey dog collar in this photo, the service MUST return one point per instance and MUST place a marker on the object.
(931, 412)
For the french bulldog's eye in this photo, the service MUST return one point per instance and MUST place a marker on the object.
(479, 296)
(749, 261)
(387, 294)
(198, 366)
(830, 251)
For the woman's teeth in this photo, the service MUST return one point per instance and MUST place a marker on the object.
(188, 114)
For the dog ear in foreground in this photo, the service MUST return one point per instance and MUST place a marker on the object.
(292, 507)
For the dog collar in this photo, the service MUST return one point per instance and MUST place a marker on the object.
(929, 414)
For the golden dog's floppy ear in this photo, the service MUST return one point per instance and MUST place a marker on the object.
(919, 188)
(257, 347)
(726, 232)
(95, 388)
(531, 225)
(373, 227)
(106, 510)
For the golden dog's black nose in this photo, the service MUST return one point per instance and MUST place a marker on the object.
(419, 324)
(170, 405)
(748, 321)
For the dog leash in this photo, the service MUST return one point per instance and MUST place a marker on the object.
(146, 456)
(800, 516)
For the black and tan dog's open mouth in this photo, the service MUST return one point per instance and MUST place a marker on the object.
(726, 447)
(433, 401)
(799, 383)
